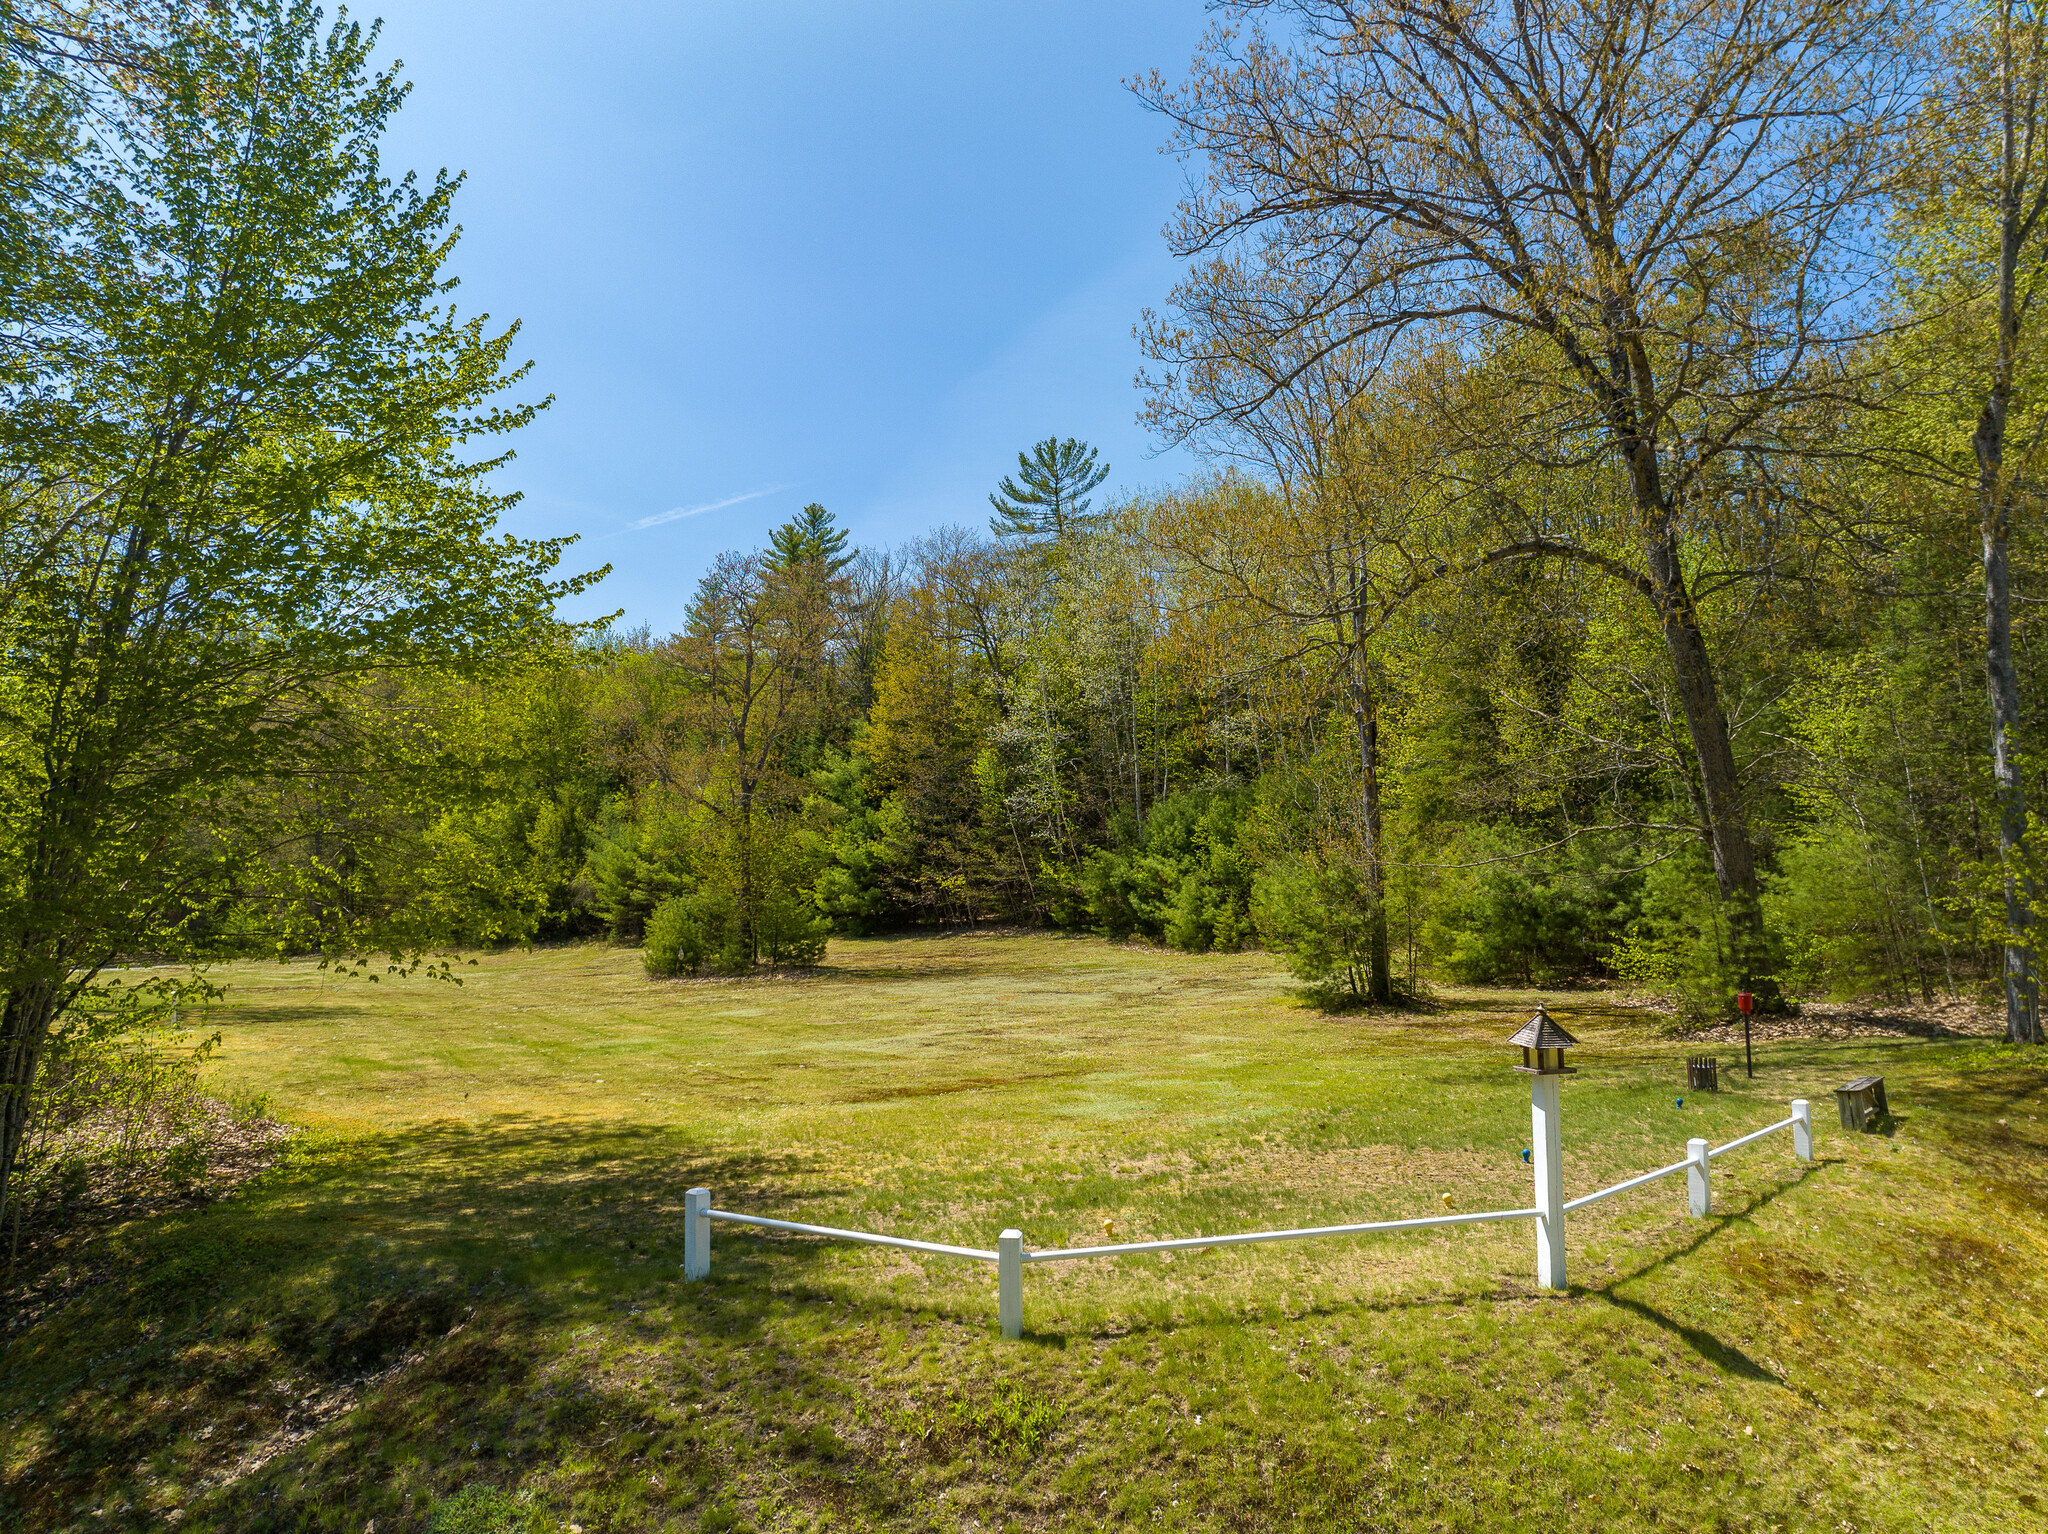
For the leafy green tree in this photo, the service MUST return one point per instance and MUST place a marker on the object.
(1328, 558)
(1187, 884)
(681, 932)
(810, 537)
(1049, 492)
(1664, 293)
(754, 654)
(1320, 918)
(42, 203)
(264, 509)
(930, 717)
(644, 851)
(1974, 243)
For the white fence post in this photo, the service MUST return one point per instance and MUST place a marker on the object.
(1697, 1178)
(1802, 1129)
(1010, 1283)
(1547, 1153)
(696, 1234)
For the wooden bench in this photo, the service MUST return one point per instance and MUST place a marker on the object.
(1862, 1103)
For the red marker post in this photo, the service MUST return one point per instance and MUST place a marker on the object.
(1746, 1004)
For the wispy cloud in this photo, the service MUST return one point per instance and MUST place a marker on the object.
(677, 513)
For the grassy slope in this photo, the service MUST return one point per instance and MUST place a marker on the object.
(468, 1271)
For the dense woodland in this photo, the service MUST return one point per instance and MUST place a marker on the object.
(1170, 721)
(1618, 557)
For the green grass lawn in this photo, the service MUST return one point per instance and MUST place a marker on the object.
(465, 1276)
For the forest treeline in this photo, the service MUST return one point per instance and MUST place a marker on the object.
(1109, 729)
(1617, 559)
(1617, 554)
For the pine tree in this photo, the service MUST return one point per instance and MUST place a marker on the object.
(1057, 477)
(809, 535)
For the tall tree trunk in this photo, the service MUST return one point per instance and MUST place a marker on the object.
(1365, 721)
(1692, 668)
(24, 1032)
(2022, 985)
(1994, 506)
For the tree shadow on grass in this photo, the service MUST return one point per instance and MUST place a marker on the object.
(379, 1322)
(1723, 1355)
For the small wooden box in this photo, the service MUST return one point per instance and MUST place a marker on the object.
(1862, 1103)
(1703, 1074)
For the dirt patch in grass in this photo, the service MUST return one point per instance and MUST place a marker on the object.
(1863, 1020)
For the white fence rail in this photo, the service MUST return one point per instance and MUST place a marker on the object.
(1623, 1187)
(1770, 1129)
(1189, 1243)
(867, 1238)
(1010, 1255)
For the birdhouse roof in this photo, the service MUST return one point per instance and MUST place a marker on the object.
(1541, 1032)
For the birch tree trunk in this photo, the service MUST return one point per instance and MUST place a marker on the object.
(2021, 197)
(2022, 984)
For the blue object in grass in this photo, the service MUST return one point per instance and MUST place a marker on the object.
(1525, 1154)
(1681, 1102)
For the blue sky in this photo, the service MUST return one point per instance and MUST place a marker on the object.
(790, 250)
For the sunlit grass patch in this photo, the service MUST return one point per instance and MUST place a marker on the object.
(464, 1280)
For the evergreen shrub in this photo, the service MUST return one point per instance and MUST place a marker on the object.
(675, 942)
(1318, 918)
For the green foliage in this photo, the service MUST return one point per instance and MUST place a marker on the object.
(1319, 917)
(1849, 917)
(706, 929)
(1124, 893)
(788, 929)
(1049, 493)
(1678, 944)
(640, 855)
(1187, 883)
(252, 531)
(485, 1509)
(810, 537)
(1110, 735)
(855, 841)
(1522, 916)
(677, 938)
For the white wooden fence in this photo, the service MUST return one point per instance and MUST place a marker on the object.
(1011, 1255)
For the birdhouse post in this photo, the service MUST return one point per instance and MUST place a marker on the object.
(1543, 1044)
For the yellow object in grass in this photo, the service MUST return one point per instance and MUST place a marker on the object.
(1447, 1201)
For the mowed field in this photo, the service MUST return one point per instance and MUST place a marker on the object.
(457, 1302)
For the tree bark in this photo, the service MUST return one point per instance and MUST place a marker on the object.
(1692, 670)
(1994, 507)
(2022, 984)
(24, 1032)
(1365, 721)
